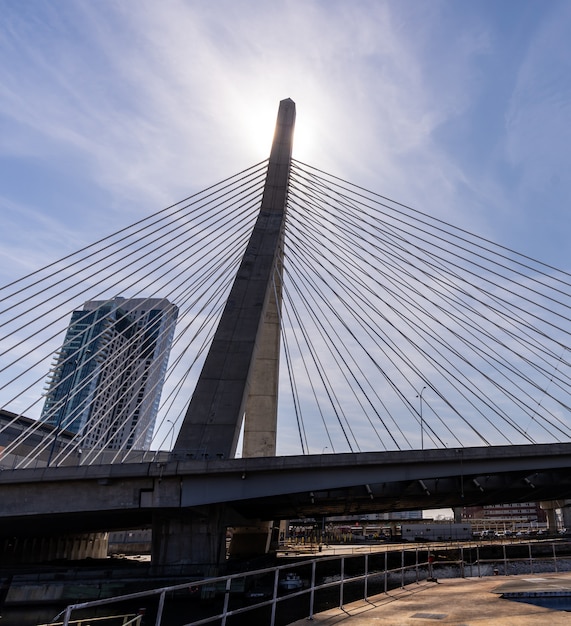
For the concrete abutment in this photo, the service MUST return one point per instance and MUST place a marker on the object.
(40, 549)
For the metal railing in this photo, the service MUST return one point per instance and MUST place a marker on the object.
(365, 575)
(109, 620)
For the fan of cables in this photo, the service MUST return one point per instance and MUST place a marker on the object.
(399, 330)
(403, 331)
(186, 254)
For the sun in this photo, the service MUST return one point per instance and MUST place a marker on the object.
(302, 138)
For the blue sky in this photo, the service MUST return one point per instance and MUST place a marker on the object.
(111, 110)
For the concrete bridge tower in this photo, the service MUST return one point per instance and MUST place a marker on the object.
(239, 379)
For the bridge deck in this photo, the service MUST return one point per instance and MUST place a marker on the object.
(119, 496)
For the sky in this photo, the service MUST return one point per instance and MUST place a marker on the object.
(111, 110)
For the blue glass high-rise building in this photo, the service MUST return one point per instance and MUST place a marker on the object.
(107, 378)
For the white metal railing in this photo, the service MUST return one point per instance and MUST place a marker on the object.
(417, 570)
(109, 620)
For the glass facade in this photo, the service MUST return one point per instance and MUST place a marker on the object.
(107, 378)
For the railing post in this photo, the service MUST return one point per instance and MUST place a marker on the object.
(462, 573)
(505, 560)
(530, 559)
(312, 592)
(416, 563)
(160, 609)
(478, 561)
(402, 568)
(275, 597)
(226, 600)
(554, 557)
(341, 587)
(366, 594)
(386, 572)
(66, 616)
(430, 560)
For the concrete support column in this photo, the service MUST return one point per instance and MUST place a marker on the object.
(283, 531)
(566, 514)
(549, 506)
(189, 542)
(251, 541)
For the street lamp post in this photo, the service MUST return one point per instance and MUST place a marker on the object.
(421, 421)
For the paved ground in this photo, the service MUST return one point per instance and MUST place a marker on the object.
(458, 601)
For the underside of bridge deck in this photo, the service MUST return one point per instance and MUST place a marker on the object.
(203, 497)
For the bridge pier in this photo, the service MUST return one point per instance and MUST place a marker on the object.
(566, 514)
(251, 541)
(549, 507)
(190, 542)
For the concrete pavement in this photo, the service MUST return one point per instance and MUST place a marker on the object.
(458, 601)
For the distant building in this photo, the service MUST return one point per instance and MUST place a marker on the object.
(107, 379)
(370, 517)
(510, 516)
(400, 515)
(436, 531)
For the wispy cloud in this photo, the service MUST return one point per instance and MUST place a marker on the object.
(537, 122)
(174, 95)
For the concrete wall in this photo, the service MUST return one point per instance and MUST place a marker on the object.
(16, 550)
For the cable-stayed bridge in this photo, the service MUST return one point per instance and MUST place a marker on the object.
(421, 365)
